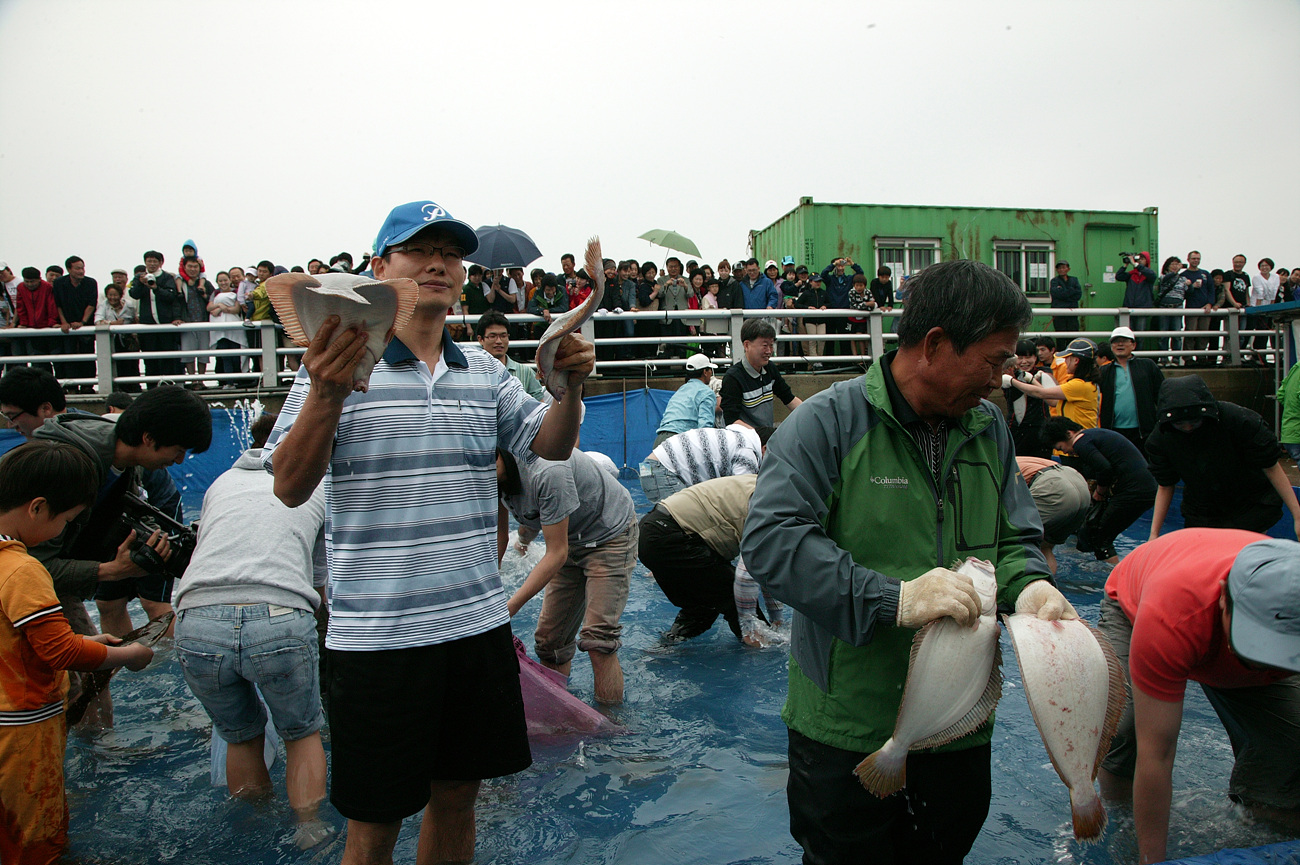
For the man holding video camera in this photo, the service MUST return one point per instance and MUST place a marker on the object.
(103, 551)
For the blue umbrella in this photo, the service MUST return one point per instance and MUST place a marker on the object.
(503, 246)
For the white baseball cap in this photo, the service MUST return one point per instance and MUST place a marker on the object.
(699, 361)
(1123, 332)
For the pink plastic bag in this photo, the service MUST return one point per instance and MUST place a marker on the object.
(549, 707)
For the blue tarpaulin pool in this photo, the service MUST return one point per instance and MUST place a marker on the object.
(699, 777)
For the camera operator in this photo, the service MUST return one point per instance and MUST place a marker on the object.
(154, 432)
(1140, 285)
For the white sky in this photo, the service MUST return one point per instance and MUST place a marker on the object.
(286, 130)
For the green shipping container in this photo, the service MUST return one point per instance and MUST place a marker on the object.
(1024, 244)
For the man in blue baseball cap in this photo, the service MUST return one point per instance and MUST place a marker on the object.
(1219, 607)
(424, 682)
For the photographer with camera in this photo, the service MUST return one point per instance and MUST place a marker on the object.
(159, 302)
(1140, 282)
(104, 551)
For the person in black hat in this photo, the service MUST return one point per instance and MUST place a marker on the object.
(1225, 455)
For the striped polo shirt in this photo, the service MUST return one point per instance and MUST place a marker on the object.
(411, 490)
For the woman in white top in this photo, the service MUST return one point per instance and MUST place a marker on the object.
(224, 306)
(1263, 291)
(118, 309)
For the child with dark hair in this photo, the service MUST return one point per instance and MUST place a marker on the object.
(43, 486)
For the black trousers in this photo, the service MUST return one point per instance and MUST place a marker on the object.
(162, 365)
(691, 574)
(933, 820)
(1108, 518)
(1028, 441)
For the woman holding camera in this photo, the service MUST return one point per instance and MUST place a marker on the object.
(1171, 292)
(647, 300)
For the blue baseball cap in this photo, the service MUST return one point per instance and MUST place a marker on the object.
(407, 220)
(787, 259)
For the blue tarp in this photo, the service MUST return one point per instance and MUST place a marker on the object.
(627, 444)
(1286, 853)
(602, 430)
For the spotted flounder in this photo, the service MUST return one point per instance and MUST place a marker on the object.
(954, 680)
(1075, 687)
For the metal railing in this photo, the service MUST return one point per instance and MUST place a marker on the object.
(261, 366)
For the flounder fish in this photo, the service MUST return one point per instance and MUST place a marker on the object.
(1075, 686)
(303, 302)
(148, 634)
(557, 381)
(954, 680)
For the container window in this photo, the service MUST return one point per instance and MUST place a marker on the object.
(1029, 264)
(906, 256)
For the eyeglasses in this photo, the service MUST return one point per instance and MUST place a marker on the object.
(13, 418)
(449, 254)
(495, 336)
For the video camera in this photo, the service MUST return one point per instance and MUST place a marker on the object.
(144, 519)
(119, 512)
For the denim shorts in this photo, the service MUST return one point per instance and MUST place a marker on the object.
(226, 650)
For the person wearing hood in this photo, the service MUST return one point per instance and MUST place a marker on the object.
(156, 431)
(1140, 281)
(251, 608)
(1225, 455)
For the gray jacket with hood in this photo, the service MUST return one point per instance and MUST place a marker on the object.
(97, 436)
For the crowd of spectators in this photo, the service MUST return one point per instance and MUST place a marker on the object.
(66, 299)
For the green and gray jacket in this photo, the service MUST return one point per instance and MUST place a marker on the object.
(97, 436)
(845, 508)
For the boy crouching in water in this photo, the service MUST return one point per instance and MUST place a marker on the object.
(43, 485)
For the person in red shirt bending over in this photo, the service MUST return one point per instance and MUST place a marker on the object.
(1219, 607)
(43, 485)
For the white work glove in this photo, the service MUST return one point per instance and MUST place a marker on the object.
(1006, 380)
(937, 593)
(617, 310)
(1040, 598)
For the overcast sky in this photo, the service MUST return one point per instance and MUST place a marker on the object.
(286, 130)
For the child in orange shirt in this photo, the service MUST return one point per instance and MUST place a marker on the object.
(43, 485)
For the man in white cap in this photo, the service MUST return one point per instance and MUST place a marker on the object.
(695, 403)
(1129, 388)
(1219, 607)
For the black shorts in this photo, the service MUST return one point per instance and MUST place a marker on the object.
(402, 718)
(150, 588)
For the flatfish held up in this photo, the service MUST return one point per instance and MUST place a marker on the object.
(954, 680)
(1075, 686)
(149, 634)
(378, 308)
(557, 381)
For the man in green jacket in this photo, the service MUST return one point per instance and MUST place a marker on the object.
(861, 506)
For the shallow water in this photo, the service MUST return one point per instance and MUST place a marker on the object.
(700, 777)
